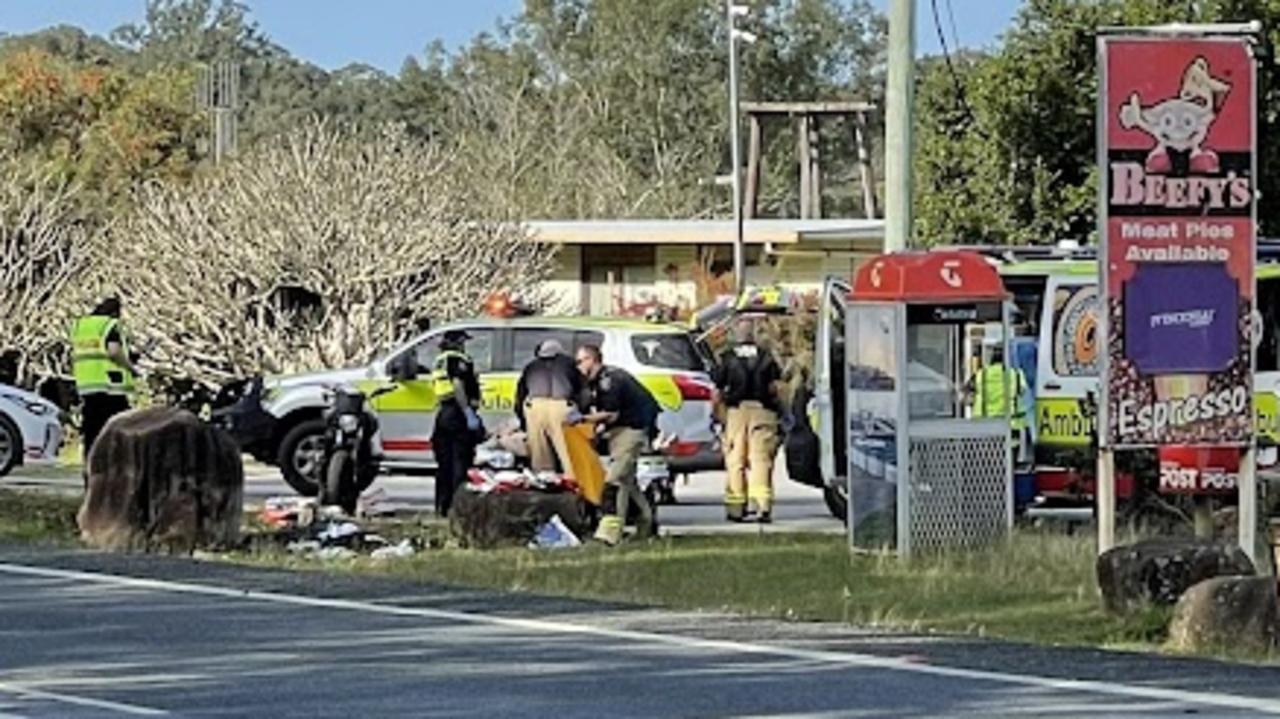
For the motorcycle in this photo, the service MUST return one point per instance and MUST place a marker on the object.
(350, 464)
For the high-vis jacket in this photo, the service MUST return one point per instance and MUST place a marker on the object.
(989, 388)
(442, 379)
(95, 372)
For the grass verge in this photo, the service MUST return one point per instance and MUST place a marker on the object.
(38, 518)
(1039, 587)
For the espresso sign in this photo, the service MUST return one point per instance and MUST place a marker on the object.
(1177, 145)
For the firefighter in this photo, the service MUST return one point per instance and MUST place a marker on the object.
(458, 427)
(628, 414)
(103, 369)
(747, 379)
(549, 396)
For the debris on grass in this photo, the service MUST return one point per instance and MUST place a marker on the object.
(554, 534)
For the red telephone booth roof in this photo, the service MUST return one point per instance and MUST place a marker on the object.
(940, 276)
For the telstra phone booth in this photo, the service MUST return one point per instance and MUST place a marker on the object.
(927, 470)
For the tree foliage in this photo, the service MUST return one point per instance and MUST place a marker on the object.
(44, 250)
(96, 125)
(1010, 159)
(625, 104)
(312, 250)
(575, 108)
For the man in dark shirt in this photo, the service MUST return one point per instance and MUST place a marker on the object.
(548, 396)
(747, 379)
(629, 415)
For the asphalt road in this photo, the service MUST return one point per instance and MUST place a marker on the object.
(84, 635)
(699, 509)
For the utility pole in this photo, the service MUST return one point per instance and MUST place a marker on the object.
(898, 120)
(218, 92)
(732, 12)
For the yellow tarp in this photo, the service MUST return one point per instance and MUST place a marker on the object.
(588, 470)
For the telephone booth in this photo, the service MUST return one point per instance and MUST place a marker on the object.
(930, 462)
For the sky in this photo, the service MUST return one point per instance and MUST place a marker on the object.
(382, 33)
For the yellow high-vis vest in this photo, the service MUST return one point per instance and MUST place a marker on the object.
(441, 383)
(989, 387)
(94, 371)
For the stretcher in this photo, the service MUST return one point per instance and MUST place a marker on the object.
(588, 470)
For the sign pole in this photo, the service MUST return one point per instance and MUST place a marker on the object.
(1105, 481)
(1247, 487)
(1106, 494)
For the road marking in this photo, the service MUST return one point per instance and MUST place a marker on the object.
(59, 697)
(847, 659)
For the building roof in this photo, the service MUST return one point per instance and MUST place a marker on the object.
(568, 321)
(705, 232)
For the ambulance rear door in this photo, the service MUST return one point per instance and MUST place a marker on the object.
(1068, 361)
(829, 380)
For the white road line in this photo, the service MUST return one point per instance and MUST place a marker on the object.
(118, 707)
(847, 659)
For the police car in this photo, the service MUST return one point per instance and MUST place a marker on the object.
(287, 429)
(30, 429)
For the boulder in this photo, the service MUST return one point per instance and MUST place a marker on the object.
(1158, 571)
(1240, 612)
(512, 518)
(161, 479)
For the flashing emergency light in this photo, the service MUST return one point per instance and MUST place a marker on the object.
(503, 305)
(499, 304)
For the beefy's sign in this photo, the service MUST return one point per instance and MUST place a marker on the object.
(1177, 139)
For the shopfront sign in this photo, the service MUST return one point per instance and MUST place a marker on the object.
(1177, 151)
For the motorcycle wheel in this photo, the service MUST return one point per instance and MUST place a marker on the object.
(339, 485)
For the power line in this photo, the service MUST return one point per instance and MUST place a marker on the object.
(961, 98)
(951, 19)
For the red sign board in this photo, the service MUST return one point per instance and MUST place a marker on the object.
(1199, 470)
(942, 276)
(1177, 147)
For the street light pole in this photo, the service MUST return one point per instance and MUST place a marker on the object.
(898, 143)
(732, 12)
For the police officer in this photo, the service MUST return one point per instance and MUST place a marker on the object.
(103, 369)
(628, 414)
(747, 381)
(458, 427)
(549, 396)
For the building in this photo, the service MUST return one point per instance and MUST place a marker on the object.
(626, 267)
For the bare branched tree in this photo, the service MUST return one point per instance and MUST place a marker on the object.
(43, 250)
(316, 250)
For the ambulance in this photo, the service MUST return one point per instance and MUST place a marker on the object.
(1055, 292)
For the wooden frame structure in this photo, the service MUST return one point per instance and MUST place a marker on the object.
(808, 151)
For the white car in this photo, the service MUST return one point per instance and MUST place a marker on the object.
(30, 429)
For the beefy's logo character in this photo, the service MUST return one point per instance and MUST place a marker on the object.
(1180, 123)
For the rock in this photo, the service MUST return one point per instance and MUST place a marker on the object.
(160, 479)
(512, 518)
(1226, 528)
(1239, 612)
(1158, 571)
